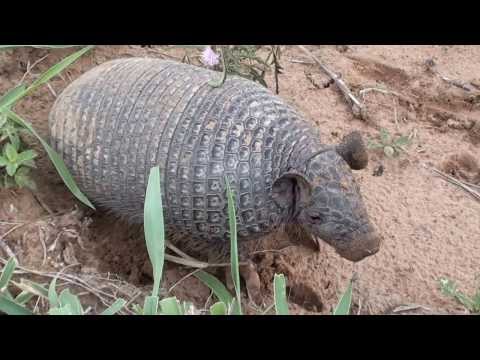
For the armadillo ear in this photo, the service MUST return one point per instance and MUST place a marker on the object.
(353, 151)
(290, 189)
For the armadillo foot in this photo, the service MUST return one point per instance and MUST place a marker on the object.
(252, 281)
(250, 275)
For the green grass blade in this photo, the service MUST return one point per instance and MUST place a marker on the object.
(114, 308)
(24, 297)
(12, 94)
(232, 220)
(343, 306)
(170, 306)
(67, 298)
(216, 286)
(52, 293)
(9, 307)
(280, 294)
(7, 273)
(154, 227)
(63, 310)
(56, 160)
(46, 76)
(33, 288)
(219, 308)
(150, 306)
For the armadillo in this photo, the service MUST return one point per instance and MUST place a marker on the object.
(123, 117)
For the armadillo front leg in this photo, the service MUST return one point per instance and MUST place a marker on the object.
(252, 281)
(249, 274)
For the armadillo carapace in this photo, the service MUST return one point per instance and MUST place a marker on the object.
(120, 119)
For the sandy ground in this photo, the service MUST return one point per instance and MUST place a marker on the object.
(431, 228)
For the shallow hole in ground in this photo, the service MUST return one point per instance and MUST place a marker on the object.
(305, 297)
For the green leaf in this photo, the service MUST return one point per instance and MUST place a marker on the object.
(24, 297)
(235, 308)
(61, 310)
(219, 308)
(389, 151)
(449, 288)
(26, 156)
(67, 298)
(12, 94)
(10, 152)
(14, 139)
(154, 227)
(114, 308)
(343, 307)
(52, 293)
(374, 145)
(280, 294)
(402, 141)
(7, 294)
(137, 309)
(384, 137)
(11, 169)
(232, 220)
(33, 288)
(23, 179)
(3, 161)
(56, 160)
(150, 306)
(170, 306)
(7, 273)
(45, 77)
(216, 286)
(9, 307)
(187, 308)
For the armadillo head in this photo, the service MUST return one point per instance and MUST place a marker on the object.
(326, 200)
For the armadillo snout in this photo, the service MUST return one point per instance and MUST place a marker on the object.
(360, 244)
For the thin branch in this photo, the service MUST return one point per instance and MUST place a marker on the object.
(460, 184)
(358, 108)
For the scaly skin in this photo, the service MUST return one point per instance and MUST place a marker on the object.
(117, 121)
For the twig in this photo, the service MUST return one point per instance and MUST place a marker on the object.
(30, 68)
(358, 108)
(51, 90)
(432, 66)
(452, 180)
(183, 279)
(364, 91)
(296, 61)
(7, 250)
(42, 204)
(195, 263)
(403, 308)
(16, 227)
(395, 115)
(187, 260)
(41, 237)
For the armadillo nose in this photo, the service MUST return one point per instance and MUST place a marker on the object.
(363, 243)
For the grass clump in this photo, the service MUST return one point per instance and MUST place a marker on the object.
(391, 146)
(16, 159)
(471, 303)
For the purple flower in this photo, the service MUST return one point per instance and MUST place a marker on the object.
(210, 57)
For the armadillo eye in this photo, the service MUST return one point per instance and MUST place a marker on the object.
(315, 216)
